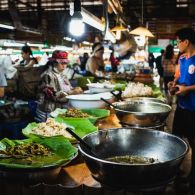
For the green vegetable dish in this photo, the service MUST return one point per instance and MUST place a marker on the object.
(36, 152)
(130, 159)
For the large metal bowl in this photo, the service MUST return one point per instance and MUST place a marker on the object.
(167, 148)
(145, 99)
(141, 113)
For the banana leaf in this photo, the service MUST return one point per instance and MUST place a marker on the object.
(95, 114)
(62, 152)
(57, 111)
(157, 93)
(27, 131)
(82, 126)
(120, 86)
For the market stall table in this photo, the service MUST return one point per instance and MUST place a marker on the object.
(74, 179)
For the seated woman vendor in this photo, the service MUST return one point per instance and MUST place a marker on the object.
(95, 63)
(54, 86)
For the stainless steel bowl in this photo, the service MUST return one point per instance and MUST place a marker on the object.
(145, 99)
(123, 141)
(141, 113)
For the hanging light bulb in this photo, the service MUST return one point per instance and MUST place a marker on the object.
(118, 29)
(76, 26)
(141, 30)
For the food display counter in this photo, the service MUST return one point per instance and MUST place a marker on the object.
(75, 178)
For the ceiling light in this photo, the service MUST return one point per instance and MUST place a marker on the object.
(12, 44)
(118, 29)
(76, 26)
(7, 26)
(36, 45)
(142, 30)
(94, 21)
(67, 39)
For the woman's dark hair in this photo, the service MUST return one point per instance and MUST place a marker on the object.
(27, 49)
(186, 33)
(169, 52)
(96, 44)
(51, 63)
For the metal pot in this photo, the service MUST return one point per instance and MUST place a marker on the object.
(141, 113)
(168, 149)
(145, 99)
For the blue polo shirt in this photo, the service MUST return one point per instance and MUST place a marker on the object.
(187, 78)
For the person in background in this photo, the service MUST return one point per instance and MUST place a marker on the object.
(83, 61)
(54, 86)
(183, 124)
(151, 60)
(168, 62)
(159, 67)
(114, 62)
(28, 59)
(95, 62)
(3, 83)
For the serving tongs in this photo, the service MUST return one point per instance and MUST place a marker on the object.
(82, 142)
(107, 102)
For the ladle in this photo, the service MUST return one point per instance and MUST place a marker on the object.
(117, 96)
(86, 145)
(107, 102)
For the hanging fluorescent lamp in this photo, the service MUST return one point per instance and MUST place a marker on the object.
(94, 21)
(7, 26)
(76, 26)
(141, 30)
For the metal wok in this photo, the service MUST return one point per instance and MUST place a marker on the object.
(168, 149)
(141, 113)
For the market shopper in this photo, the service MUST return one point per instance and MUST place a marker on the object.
(28, 59)
(168, 63)
(54, 86)
(3, 83)
(151, 60)
(183, 124)
(159, 67)
(95, 63)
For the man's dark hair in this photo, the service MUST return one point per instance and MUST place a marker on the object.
(186, 33)
(27, 49)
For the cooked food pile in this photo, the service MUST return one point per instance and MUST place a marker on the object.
(75, 113)
(137, 90)
(25, 151)
(51, 128)
(130, 159)
(105, 84)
